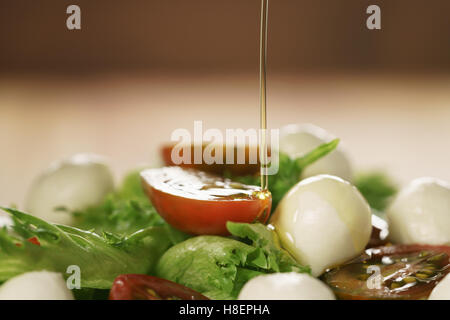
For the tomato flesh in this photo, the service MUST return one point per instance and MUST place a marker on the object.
(406, 272)
(199, 203)
(143, 287)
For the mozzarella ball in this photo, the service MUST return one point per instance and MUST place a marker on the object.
(421, 213)
(5, 220)
(37, 285)
(285, 286)
(323, 221)
(298, 140)
(76, 183)
(442, 290)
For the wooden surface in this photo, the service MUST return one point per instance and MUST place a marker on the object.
(224, 35)
(400, 124)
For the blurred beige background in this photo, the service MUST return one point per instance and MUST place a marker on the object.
(140, 69)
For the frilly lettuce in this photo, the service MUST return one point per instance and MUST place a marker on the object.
(125, 211)
(100, 258)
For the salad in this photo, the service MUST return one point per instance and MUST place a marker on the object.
(197, 232)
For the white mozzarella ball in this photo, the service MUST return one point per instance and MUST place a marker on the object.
(37, 285)
(76, 183)
(297, 140)
(323, 221)
(421, 213)
(5, 220)
(285, 286)
(442, 290)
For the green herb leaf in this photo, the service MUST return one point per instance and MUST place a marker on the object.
(377, 188)
(289, 171)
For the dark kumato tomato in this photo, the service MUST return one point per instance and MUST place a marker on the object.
(143, 287)
(200, 203)
(250, 165)
(391, 272)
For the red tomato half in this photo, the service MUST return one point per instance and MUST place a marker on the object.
(405, 272)
(199, 203)
(143, 287)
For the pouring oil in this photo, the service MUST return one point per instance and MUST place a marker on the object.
(263, 96)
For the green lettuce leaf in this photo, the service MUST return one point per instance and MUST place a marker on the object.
(100, 258)
(218, 267)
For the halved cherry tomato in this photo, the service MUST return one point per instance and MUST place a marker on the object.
(405, 272)
(200, 203)
(235, 168)
(143, 287)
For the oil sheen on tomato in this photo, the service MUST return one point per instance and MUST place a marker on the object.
(200, 203)
(403, 271)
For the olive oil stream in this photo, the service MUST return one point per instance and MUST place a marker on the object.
(263, 96)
